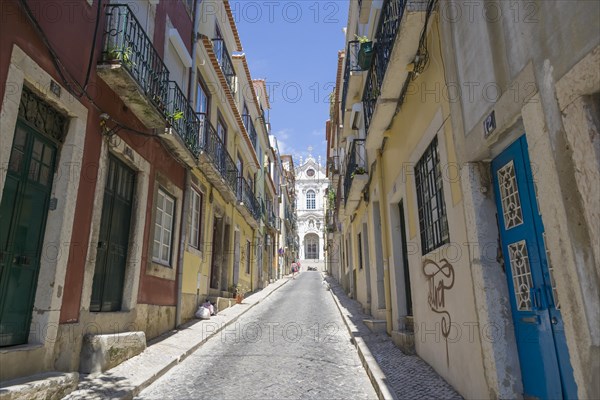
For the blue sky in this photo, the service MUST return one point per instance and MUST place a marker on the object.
(294, 45)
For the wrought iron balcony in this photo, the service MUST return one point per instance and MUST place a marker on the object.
(333, 164)
(356, 165)
(247, 119)
(216, 151)
(273, 220)
(132, 67)
(225, 62)
(183, 119)
(246, 196)
(387, 30)
(271, 217)
(351, 65)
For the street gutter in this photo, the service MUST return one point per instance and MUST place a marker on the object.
(371, 366)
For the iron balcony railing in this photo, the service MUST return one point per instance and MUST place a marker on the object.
(270, 214)
(126, 42)
(247, 119)
(356, 164)
(246, 196)
(216, 151)
(351, 65)
(333, 164)
(225, 63)
(183, 119)
(387, 30)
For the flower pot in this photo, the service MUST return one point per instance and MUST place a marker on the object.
(239, 298)
(365, 55)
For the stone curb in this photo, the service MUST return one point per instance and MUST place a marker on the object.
(371, 366)
(127, 393)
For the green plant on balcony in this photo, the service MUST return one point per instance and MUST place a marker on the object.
(358, 171)
(365, 52)
(331, 104)
(175, 115)
(330, 199)
(121, 54)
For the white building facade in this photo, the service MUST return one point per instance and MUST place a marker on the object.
(311, 187)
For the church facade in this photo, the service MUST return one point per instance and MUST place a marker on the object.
(311, 188)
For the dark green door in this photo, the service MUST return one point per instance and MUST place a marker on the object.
(23, 213)
(111, 259)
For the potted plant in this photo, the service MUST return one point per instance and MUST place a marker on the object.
(238, 291)
(120, 55)
(358, 171)
(173, 117)
(365, 52)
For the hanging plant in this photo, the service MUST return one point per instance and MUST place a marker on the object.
(365, 52)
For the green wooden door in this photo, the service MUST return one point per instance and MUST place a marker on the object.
(23, 213)
(111, 259)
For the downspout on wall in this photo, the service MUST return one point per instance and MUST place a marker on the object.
(182, 242)
(188, 179)
(386, 253)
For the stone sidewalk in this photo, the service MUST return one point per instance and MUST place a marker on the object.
(394, 374)
(132, 376)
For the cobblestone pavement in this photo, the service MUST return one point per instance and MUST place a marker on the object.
(294, 345)
(409, 377)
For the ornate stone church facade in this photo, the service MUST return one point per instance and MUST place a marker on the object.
(311, 187)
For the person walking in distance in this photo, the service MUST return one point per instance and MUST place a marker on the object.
(294, 269)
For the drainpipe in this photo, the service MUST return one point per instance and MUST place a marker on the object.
(182, 241)
(188, 179)
(196, 28)
(384, 228)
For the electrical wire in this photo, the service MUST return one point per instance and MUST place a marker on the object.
(422, 58)
(61, 69)
(93, 50)
(55, 59)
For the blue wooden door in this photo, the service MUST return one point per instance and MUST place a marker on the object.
(539, 330)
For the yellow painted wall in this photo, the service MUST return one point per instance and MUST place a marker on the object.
(361, 277)
(246, 234)
(459, 361)
(195, 262)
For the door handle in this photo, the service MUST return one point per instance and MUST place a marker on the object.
(21, 260)
(534, 319)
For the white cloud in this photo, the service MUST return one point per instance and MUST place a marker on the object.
(284, 137)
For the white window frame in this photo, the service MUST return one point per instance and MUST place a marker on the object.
(311, 200)
(159, 223)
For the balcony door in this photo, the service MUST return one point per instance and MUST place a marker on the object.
(202, 106)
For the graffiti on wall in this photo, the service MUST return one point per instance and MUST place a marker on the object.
(440, 277)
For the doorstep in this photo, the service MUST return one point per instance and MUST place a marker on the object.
(48, 386)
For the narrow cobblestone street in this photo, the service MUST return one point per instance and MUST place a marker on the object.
(292, 345)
